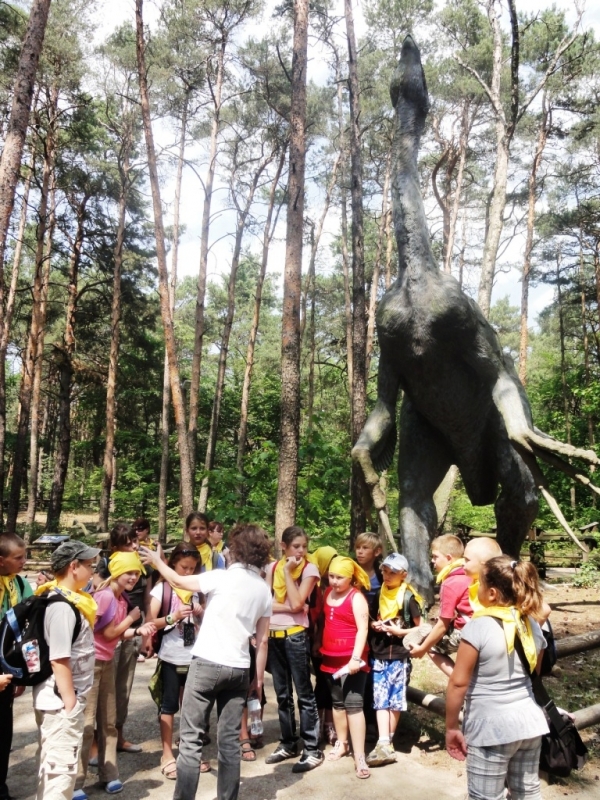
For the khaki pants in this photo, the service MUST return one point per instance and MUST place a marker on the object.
(101, 713)
(60, 738)
(126, 656)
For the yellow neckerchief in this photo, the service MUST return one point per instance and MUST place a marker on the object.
(219, 546)
(149, 543)
(82, 601)
(124, 561)
(279, 589)
(391, 601)
(473, 599)
(206, 552)
(514, 623)
(8, 583)
(184, 595)
(443, 574)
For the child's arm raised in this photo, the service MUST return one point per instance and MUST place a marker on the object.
(439, 630)
(296, 595)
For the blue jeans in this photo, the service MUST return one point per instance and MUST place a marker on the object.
(206, 684)
(289, 663)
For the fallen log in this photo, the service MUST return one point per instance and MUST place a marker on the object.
(570, 645)
(586, 717)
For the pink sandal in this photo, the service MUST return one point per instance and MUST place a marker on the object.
(340, 750)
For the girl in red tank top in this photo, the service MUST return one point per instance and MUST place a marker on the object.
(344, 648)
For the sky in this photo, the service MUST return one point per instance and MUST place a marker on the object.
(111, 13)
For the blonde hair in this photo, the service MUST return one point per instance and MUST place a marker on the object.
(448, 545)
(373, 540)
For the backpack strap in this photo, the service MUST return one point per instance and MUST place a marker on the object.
(215, 560)
(167, 596)
(58, 596)
(21, 584)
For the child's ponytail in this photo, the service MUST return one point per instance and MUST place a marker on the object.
(516, 581)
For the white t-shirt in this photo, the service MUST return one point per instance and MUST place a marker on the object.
(171, 646)
(59, 624)
(236, 599)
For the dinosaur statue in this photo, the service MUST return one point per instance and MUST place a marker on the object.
(463, 403)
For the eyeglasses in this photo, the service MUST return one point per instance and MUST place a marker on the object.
(188, 553)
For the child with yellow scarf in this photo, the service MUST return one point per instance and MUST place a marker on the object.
(503, 724)
(396, 612)
(455, 609)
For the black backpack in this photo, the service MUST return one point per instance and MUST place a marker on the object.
(24, 651)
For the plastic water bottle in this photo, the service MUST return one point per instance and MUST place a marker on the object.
(256, 725)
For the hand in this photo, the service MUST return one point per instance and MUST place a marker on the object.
(152, 557)
(148, 629)
(416, 650)
(183, 612)
(197, 609)
(146, 648)
(5, 681)
(70, 702)
(394, 629)
(292, 562)
(135, 614)
(456, 745)
(353, 666)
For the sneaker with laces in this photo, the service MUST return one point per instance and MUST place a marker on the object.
(382, 754)
(280, 754)
(309, 761)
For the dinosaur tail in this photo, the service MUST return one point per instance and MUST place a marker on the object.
(408, 91)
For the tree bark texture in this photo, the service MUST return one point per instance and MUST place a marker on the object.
(187, 499)
(377, 269)
(285, 510)
(224, 351)
(194, 395)
(166, 396)
(268, 233)
(65, 356)
(344, 240)
(359, 322)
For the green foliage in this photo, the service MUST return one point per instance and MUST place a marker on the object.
(587, 577)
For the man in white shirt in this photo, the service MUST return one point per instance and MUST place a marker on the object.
(238, 604)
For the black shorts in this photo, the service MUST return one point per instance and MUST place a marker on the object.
(173, 679)
(347, 692)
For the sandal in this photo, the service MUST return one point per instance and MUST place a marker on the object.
(248, 753)
(362, 770)
(169, 769)
(340, 750)
(205, 766)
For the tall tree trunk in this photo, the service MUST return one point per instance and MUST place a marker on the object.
(34, 438)
(10, 161)
(187, 499)
(344, 243)
(218, 398)
(359, 331)
(65, 356)
(285, 509)
(7, 322)
(532, 196)
(389, 250)
(166, 396)
(586, 344)
(377, 269)
(563, 363)
(269, 230)
(31, 354)
(113, 357)
(194, 394)
(465, 130)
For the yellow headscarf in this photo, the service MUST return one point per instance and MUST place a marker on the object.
(82, 601)
(206, 552)
(8, 583)
(120, 563)
(514, 624)
(473, 599)
(322, 557)
(443, 574)
(279, 588)
(391, 601)
(347, 568)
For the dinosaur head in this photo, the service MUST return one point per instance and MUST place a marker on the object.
(408, 81)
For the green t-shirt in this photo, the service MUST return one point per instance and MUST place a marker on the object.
(27, 592)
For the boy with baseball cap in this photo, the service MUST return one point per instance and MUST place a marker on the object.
(59, 701)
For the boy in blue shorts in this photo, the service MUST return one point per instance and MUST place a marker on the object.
(398, 609)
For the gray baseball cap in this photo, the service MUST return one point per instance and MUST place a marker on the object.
(72, 551)
(397, 562)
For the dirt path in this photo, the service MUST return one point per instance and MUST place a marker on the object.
(423, 770)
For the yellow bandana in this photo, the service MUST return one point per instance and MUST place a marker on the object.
(8, 583)
(120, 563)
(82, 601)
(391, 601)
(219, 546)
(149, 543)
(206, 552)
(184, 595)
(514, 623)
(473, 599)
(443, 574)
(347, 568)
(322, 558)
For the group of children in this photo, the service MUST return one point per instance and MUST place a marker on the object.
(359, 620)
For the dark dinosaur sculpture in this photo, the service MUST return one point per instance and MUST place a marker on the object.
(463, 403)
